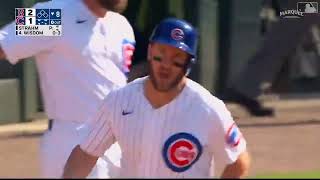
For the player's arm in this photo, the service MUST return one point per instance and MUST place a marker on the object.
(79, 164)
(128, 47)
(228, 144)
(15, 48)
(100, 137)
(239, 168)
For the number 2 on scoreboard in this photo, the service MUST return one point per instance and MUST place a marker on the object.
(30, 12)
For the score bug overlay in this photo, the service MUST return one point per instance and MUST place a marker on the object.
(38, 22)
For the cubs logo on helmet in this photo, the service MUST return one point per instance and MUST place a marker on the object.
(181, 151)
(177, 34)
(233, 136)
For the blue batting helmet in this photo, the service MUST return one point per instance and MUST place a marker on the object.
(177, 33)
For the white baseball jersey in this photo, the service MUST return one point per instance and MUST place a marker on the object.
(177, 140)
(78, 69)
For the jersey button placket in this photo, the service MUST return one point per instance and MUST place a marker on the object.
(157, 123)
(145, 145)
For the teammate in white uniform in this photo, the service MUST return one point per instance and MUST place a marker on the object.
(167, 125)
(77, 71)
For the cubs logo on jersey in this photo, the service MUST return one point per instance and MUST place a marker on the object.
(233, 136)
(181, 151)
(127, 53)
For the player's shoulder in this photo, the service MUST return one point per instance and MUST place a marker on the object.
(135, 85)
(204, 97)
(137, 81)
(59, 4)
(117, 17)
(131, 88)
(215, 108)
(119, 96)
(119, 21)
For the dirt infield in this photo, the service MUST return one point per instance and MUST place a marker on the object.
(288, 142)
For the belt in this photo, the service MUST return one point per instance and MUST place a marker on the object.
(50, 123)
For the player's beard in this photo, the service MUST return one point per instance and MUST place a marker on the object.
(109, 4)
(167, 86)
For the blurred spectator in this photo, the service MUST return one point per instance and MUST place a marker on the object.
(305, 63)
(279, 44)
(269, 14)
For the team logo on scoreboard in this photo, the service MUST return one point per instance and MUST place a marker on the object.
(181, 151)
(177, 34)
(233, 136)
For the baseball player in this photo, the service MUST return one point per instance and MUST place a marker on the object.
(76, 70)
(167, 125)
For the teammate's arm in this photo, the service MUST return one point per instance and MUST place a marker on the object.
(100, 137)
(79, 164)
(239, 168)
(15, 48)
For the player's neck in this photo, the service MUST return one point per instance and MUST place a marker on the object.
(95, 8)
(158, 98)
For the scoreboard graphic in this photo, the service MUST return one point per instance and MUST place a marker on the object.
(38, 22)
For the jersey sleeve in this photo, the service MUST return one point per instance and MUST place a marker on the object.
(227, 140)
(18, 47)
(128, 47)
(100, 136)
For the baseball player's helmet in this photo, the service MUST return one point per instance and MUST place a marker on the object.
(177, 33)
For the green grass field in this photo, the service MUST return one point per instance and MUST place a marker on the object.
(292, 175)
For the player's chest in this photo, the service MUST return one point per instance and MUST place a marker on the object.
(176, 136)
(91, 41)
(162, 122)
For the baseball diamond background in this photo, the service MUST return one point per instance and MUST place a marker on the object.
(287, 143)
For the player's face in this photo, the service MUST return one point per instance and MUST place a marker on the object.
(167, 66)
(113, 5)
